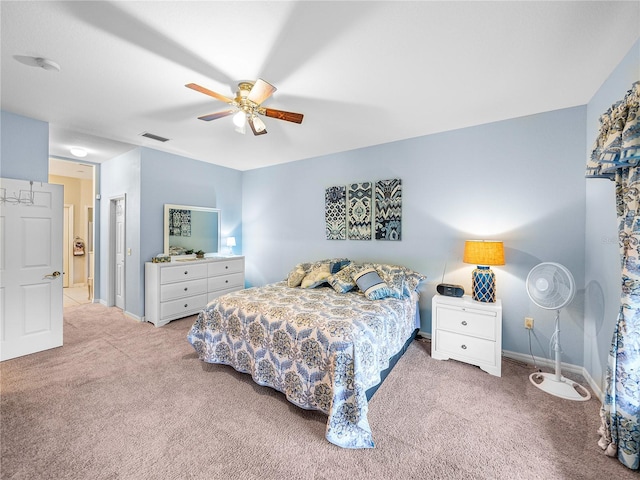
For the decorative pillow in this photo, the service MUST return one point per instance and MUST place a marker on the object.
(338, 264)
(294, 279)
(316, 277)
(393, 276)
(411, 281)
(372, 285)
(401, 280)
(342, 282)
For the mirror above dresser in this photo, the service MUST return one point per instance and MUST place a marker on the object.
(189, 229)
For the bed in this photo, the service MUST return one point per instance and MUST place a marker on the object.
(325, 337)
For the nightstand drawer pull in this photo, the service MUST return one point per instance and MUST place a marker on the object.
(185, 289)
(464, 322)
(186, 305)
(464, 347)
(186, 272)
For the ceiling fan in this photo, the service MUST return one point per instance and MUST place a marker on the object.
(247, 105)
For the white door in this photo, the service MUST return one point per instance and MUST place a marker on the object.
(30, 267)
(119, 286)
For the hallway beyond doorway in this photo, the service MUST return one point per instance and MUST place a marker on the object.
(73, 296)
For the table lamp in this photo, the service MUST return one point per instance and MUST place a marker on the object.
(231, 242)
(483, 253)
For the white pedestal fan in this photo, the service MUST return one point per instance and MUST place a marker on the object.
(552, 287)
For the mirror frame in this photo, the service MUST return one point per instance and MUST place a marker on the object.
(169, 206)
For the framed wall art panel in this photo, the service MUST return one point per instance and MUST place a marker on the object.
(360, 210)
(389, 209)
(335, 201)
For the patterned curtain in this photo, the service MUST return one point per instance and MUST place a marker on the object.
(615, 155)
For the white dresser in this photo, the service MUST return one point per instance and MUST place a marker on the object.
(182, 288)
(468, 331)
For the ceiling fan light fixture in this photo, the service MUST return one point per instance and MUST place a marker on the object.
(240, 119)
(258, 124)
(246, 105)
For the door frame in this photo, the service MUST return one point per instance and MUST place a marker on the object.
(111, 261)
(90, 267)
(68, 211)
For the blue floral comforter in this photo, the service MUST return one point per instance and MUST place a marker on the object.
(322, 349)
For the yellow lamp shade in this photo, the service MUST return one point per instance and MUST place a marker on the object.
(483, 252)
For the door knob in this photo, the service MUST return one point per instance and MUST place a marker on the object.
(55, 274)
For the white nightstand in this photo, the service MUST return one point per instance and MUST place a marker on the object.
(468, 331)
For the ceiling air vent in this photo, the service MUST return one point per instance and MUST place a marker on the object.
(154, 137)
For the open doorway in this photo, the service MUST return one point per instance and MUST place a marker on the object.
(78, 180)
(117, 257)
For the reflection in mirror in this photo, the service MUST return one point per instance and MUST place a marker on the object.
(189, 229)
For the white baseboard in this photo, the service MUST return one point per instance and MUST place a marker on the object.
(424, 334)
(134, 317)
(566, 367)
(128, 314)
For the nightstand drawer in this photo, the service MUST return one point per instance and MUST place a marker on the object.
(468, 331)
(467, 321)
(474, 350)
(172, 291)
(182, 272)
(183, 306)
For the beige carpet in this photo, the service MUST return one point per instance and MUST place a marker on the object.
(125, 400)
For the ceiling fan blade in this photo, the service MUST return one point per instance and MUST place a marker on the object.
(258, 128)
(281, 115)
(206, 91)
(214, 116)
(261, 91)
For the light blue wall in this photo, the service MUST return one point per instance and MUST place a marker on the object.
(168, 178)
(602, 278)
(149, 179)
(520, 181)
(24, 148)
(120, 176)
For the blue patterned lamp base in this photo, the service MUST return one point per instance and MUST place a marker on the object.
(484, 285)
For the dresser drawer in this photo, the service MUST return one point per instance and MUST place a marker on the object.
(226, 266)
(470, 349)
(466, 321)
(183, 306)
(171, 291)
(218, 293)
(226, 281)
(182, 272)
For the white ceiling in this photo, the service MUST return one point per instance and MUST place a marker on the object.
(362, 73)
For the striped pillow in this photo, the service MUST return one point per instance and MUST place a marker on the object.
(372, 285)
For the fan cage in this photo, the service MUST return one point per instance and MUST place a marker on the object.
(550, 285)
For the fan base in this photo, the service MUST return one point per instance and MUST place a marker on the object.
(563, 388)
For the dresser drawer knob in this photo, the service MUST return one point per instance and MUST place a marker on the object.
(226, 281)
(226, 266)
(186, 272)
(464, 322)
(185, 289)
(186, 305)
(464, 347)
